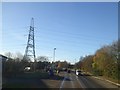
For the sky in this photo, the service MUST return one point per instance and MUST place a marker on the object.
(74, 29)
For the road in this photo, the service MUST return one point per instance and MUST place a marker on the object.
(61, 81)
(71, 80)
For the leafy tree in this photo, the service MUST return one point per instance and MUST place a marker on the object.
(63, 64)
(105, 62)
(42, 58)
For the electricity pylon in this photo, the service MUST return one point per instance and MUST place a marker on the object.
(30, 49)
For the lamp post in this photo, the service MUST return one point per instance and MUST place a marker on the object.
(54, 54)
(53, 64)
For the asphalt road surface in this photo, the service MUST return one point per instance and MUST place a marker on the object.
(83, 81)
(61, 81)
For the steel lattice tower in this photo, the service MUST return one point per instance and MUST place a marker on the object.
(30, 49)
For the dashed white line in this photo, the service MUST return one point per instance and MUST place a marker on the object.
(61, 86)
(62, 83)
(72, 81)
(80, 83)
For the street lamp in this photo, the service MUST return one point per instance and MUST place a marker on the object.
(54, 54)
(53, 64)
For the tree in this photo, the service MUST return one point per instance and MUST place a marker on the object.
(42, 58)
(105, 61)
(8, 54)
(63, 64)
(18, 56)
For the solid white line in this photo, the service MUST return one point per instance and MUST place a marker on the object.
(107, 80)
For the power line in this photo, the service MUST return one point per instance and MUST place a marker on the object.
(77, 35)
(68, 41)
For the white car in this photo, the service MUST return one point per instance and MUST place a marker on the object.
(27, 69)
(78, 72)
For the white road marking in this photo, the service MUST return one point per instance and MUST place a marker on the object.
(80, 83)
(61, 86)
(71, 81)
(62, 83)
(107, 80)
(88, 82)
(73, 86)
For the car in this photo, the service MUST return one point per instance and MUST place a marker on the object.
(27, 68)
(65, 69)
(51, 73)
(78, 72)
(68, 71)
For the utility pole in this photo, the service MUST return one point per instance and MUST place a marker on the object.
(53, 63)
(54, 54)
(30, 49)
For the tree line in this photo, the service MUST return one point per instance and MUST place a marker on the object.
(105, 62)
(16, 64)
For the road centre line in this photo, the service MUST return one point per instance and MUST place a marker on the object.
(88, 82)
(71, 81)
(80, 83)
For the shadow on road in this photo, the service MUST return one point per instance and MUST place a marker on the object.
(85, 75)
(24, 80)
(23, 83)
(57, 77)
(30, 80)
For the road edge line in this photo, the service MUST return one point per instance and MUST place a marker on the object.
(107, 81)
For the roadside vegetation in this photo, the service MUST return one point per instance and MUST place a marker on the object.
(105, 62)
(21, 72)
